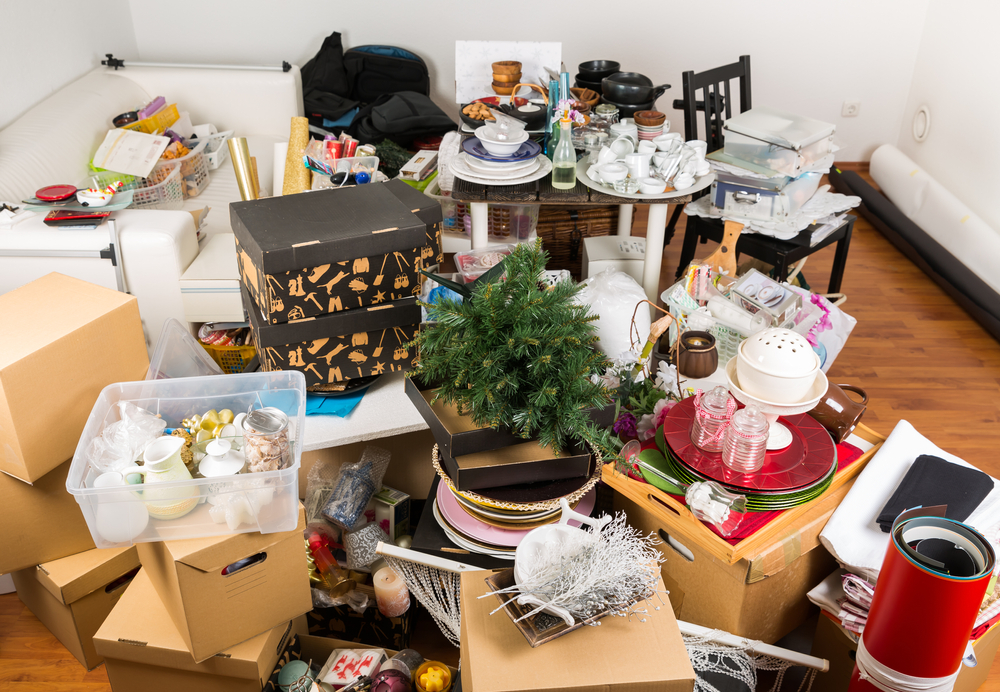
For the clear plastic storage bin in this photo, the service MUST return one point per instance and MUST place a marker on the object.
(266, 501)
(784, 142)
(508, 222)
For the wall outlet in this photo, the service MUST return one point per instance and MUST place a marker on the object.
(851, 109)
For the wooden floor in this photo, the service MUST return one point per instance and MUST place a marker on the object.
(920, 357)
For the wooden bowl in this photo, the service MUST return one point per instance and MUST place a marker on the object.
(507, 67)
(588, 96)
(581, 107)
(503, 89)
(507, 78)
(649, 118)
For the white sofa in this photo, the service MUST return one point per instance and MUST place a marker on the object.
(53, 142)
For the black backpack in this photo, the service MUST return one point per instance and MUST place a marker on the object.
(368, 77)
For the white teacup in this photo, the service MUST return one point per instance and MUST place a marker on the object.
(611, 173)
(646, 147)
(622, 147)
(638, 164)
(699, 147)
(605, 155)
(668, 142)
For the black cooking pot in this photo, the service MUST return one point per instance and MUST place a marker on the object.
(631, 88)
(596, 70)
(584, 83)
(627, 110)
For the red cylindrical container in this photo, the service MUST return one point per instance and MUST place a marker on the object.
(921, 618)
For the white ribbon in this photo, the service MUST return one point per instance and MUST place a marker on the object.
(888, 680)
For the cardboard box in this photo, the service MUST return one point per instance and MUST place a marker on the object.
(224, 590)
(833, 643)
(63, 341)
(621, 654)
(525, 462)
(611, 251)
(369, 627)
(318, 649)
(144, 652)
(42, 522)
(427, 210)
(330, 250)
(420, 166)
(333, 348)
(759, 597)
(73, 595)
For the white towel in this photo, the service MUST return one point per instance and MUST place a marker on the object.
(828, 593)
(853, 536)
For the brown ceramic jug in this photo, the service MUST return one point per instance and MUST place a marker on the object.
(839, 413)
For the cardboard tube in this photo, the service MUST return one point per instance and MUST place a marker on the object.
(254, 178)
(240, 154)
(297, 176)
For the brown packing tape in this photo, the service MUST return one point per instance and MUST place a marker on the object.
(762, 565)
(297, 178)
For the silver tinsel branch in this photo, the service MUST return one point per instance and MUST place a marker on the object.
(614, 569)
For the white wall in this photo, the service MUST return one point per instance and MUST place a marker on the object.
(807, 57)
(955, 76)
(48, 43)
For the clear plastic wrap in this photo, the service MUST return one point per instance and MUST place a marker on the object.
(355, 487)
(121, 443)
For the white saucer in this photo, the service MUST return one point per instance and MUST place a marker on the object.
(501, 173)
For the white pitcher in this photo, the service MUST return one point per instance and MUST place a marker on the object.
(120, 515)
(162, 463)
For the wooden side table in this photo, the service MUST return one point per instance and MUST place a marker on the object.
(541, 192)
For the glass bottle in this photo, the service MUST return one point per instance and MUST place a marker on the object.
(746, 441)
(564, 159)
(712, 414)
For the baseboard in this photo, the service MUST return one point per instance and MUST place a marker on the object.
(856, 166)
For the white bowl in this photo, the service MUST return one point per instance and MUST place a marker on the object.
(93, 199)
(777, 365)
(612, 172)
(652, 186)
(501, 148)
(668, 141)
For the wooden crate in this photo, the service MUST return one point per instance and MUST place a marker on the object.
(675, 515)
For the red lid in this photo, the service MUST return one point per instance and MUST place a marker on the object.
(56, 193)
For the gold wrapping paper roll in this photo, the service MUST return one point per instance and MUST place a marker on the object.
(240, 154)
(256, 180)
(297, 176)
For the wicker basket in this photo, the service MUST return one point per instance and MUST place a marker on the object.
(562, 230)
(232, 359)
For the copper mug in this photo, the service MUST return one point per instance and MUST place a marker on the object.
(696, 355)
(839, 413)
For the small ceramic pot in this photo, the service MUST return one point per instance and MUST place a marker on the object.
(839, 413)
(697, 356)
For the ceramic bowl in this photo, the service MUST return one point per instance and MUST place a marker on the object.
(93, 199)
(652, 186)
(582, 82)
(502, 148)
(612, 172)
(668, 141)
(596, 70)
(777, 365)
(506, 67)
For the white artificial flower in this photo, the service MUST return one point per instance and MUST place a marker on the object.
(666, 378)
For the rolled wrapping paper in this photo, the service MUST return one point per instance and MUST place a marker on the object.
(278, 170)
(240, 154)
(254, 177)
(929, 590)
(297, 177)
(391, 594)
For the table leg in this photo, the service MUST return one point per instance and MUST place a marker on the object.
(480, 224)
(654, 250)
(840, 259)
(624, 219)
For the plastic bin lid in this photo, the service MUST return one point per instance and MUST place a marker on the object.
(178, 354)
(779, 127)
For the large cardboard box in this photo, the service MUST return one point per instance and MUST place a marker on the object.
(833, 643)
(63, 341)
(347, 345)
(307, 255)
(223, 590)
(144, 652)
(73, 595)
(40, 522)
(761, 596)
(622, 654)
(427, 210)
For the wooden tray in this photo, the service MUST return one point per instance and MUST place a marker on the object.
(679, 518)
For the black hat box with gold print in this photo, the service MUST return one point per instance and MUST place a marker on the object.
(323, 252)
(368, 341)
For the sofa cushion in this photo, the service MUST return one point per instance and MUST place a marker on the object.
(53, 142)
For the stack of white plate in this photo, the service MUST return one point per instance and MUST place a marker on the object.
(492, 162)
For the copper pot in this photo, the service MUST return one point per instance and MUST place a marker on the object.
(696, 355)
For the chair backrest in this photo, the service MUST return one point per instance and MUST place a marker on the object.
(716, 103)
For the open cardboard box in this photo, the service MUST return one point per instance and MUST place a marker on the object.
(755, 589)
(144, 652)
(834, 644)
(73, 595)
(220, 591)
(622, 654)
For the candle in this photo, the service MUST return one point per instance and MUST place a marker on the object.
(391, 594)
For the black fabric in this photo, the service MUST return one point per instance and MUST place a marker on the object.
(326, 86)
(371, 75)
(973, 294)
(933, 481)
(401, 118)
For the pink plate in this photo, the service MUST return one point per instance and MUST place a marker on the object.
(468, 525)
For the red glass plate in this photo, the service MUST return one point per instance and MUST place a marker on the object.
(56, 193)
(805, 461)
